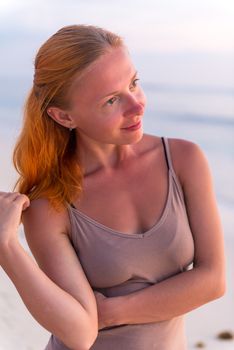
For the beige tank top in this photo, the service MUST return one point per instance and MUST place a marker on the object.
(117, 263)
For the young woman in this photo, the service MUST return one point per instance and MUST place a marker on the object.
(124, 226)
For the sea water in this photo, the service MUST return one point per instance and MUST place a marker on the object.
(188, 96)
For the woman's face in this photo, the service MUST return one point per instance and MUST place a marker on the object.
(107, 104)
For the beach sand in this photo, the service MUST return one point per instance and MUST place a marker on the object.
(18, 330)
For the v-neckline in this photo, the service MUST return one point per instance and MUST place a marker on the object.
(146, 233)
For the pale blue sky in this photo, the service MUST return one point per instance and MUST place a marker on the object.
(155, 27)
(165, 25)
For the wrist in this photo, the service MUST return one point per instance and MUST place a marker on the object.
(8, 250)
(115, 311)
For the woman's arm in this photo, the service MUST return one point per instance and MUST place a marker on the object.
(68, 312)
(188, 290)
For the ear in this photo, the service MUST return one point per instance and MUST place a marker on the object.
(60, 116)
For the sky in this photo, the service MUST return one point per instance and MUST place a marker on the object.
(185, 44)
(149, 26)
(164, 25)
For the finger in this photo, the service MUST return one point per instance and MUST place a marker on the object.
(22, 200)
(6, 198)
(14, 197)
(9, 195)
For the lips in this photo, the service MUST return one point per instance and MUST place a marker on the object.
(136, 125)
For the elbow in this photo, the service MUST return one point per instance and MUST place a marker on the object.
(84, 344)
(90, 341)
(212, 282)
(217, 288)
(92, 332)
(87, 340)
(220, 289)
(81, 338)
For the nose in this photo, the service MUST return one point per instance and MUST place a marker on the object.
(134, 107)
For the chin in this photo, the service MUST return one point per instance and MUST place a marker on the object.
(133, 138)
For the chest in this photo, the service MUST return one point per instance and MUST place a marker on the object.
(121, 263)
(129, 202)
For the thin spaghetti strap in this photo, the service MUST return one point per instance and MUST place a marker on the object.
(165, 152)
(170, 165)
(168, 154)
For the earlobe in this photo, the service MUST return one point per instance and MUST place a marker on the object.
(59, 116)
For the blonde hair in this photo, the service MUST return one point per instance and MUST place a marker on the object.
(44, 155)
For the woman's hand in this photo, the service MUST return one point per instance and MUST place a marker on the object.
(101, 301)
(108, 310)
(73, 305)
(11, 207)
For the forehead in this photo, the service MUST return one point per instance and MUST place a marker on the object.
(109, 73)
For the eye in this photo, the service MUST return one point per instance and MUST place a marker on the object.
(111, 101)
(134, 83)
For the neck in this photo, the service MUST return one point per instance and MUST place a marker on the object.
(95, 156)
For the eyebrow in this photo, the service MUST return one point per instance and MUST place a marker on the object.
(115, 92)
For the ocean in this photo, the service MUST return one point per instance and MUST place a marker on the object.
(197, 106)
(188, 96)
(184, 54)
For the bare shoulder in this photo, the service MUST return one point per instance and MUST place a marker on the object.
(42, 222)
(184, 153)
(189, 160)
(184, 148)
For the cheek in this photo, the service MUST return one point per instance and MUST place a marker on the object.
(103, 120)
(111, 115)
